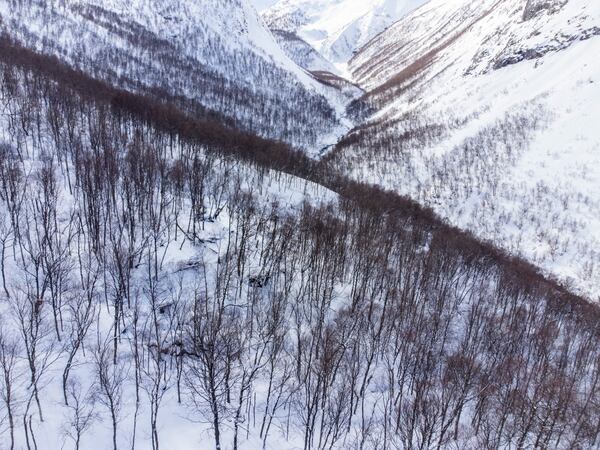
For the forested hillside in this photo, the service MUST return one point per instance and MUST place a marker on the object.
(215, 58)
(170, 283)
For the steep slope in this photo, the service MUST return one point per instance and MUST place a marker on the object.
(486, 111)
(337, 28)
(216, 55)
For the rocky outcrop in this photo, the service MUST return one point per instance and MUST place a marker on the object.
(560, 42)
(535, 7)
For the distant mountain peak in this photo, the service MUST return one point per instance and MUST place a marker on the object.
(337, 28)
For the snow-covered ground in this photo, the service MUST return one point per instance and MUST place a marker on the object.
(488, 112)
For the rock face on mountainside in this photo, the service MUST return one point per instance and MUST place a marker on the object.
(301, 52)
(216, 53)
(487, 111)
(535, 7)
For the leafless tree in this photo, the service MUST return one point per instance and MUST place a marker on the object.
(82, 307)
(81, 404)
(111, 379)
(9, 354)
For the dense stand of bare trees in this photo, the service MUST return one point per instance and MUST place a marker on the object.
(359, 323)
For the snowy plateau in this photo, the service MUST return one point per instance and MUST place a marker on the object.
(299, 224)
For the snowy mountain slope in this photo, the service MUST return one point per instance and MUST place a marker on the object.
(486, 111)
(216, 53)
(337, 28)
(156, 292)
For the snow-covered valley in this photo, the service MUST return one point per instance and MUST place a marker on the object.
(337, 28)
(299, 224)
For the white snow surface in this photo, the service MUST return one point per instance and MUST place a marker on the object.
(477, 69)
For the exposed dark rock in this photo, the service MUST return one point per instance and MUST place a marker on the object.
(535, 7)
(560, 42)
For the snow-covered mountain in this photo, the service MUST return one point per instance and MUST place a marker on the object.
(168, 281)
(302, 53)
(487, 111)
(216, 53)
(337, 28)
